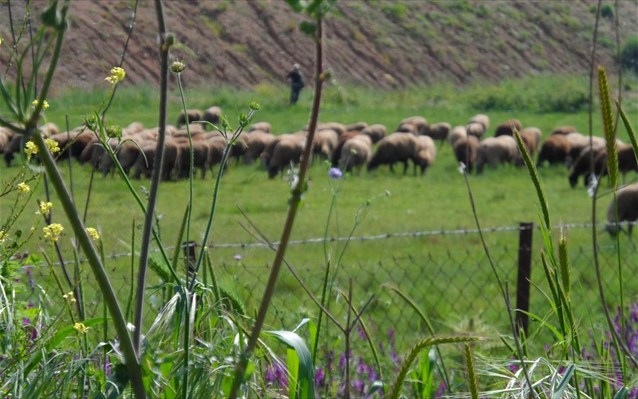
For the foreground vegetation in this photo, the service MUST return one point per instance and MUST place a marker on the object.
(198, 331)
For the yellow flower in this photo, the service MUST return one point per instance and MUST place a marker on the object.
(52, 145)
(178, 67)
(93, 233)
(23, 187)
(81, 328)
(69, 296)
(3, 236)
(52, 232)
(45, 104)
(117, 75)
(45, 208)
(30, 149)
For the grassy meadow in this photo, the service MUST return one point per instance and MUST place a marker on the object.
(447, 273)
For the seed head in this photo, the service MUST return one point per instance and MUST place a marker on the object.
(178, 66)
(116, 76)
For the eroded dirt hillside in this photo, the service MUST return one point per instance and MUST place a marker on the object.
(382, 43)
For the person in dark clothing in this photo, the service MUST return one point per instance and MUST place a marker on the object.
(296, 83)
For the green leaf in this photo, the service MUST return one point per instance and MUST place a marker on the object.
(296, 5)
(308, 28)
(305, 370)
(564, 383)
(622, 393)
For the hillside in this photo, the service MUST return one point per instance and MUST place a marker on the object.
(381, 43)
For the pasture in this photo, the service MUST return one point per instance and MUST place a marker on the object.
(379, 203)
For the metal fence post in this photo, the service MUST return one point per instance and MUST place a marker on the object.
(524, 274)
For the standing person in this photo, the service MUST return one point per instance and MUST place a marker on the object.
(296, 83)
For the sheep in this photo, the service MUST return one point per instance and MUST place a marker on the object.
(200, 157)
(482, 119)
(425, 154)
(376, 132)
(554, 150)
(507, 128)
(212, 115)
(146, 159)
(267, 153)
(531, 136)
(256, 141)
(13, 147)
(324, 143)
(286, 152)
(455, 134)
(133, 128)
(126, 155)
(357, 126)
(260, 126)
(191, 115)
(626, 161)
(465, 151)
(49, 129)
(414, 124)
(564, 130)
(355, 153)
(584, 165)
(397, 147)
(340, 128)
(475, 129)
(578, 142)
(5, 138)
(439, 131)
(336, 154)
(495, 151)
(623, 209)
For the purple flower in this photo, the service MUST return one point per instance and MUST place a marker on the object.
(358, 386)
(237, 257)
(320, 377)
(439, 392)
(335, 173)
(107, 366)
(276, 374)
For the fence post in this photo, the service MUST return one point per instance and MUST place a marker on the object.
(524, 274)
(188, 249)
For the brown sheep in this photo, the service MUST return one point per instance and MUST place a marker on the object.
(200, 157)
(193, 115)
(626, 161)
(564, 130)
(425, 154)
(439, 131)
(507, 128)
(414, 124)
(357, 126)
(12, 148)
(531, 136)
(324, 143)
(268, 151)
(482, 119)
(216, 146)
(578, 142)
(582, 166)
(146, 160)
(495, 151)
(554, 150)
(133, 128)
(260, 126)
(475, 129)
(126, 155)
(212, 115)
(340, 128)
(5, 138)
(287, 151)
(376, 132)
(256, 141)
(455, 134)
(623, 209)
(465, 151)
(355, 153)
(336, 154)
(397, 147)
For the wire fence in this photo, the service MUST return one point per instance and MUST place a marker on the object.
(457, 289)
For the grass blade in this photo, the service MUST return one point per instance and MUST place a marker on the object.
(305, 384)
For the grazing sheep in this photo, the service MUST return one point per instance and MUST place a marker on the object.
(507, 128)
(146, 160)
(133, 128)
(564, 130)
(340, 128)
(465, 151)
(475, 129)
(287, 151)
(49, 129)
(5, 138)
(355, 153)
(425, 154)
(260, 126)
(267, 153)
(554, 150)
(376, 132)
(495, 151)
(531, 136)
(183, 162)
(126, 155)
(356, 126)
(324, 143)
(256, 141)
(216, 146)
(212, 115)
(578, 142)
(625, 207)
(584, 165)
(397, 147)
(336, 154)
(13, 147)
(482, 119)
(415, 124)
(439, 131)
(626, 161)
(455, 134)
(193, 115)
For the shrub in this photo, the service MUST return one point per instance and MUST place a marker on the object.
(629, 54)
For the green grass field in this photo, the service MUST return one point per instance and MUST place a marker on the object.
(447, 273)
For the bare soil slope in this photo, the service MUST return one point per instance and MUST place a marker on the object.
(382, 43)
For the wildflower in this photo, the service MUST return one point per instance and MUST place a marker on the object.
(45, 104)
(81, 328)
(93, 233)
(178, 66)
(592, 186)
(52, 232)
(461, 168)
(69, 297)
(30, 149)
(114, 131)
(116, 76)
(335, 173)
(45, 208)
(23, 187)
(3, 236)
(52, 145)
(237, 257)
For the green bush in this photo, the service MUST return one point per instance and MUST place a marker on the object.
(629, 54)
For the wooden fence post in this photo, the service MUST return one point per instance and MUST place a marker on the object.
(524, 274)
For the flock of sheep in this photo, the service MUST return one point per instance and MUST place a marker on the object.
(351, 147)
